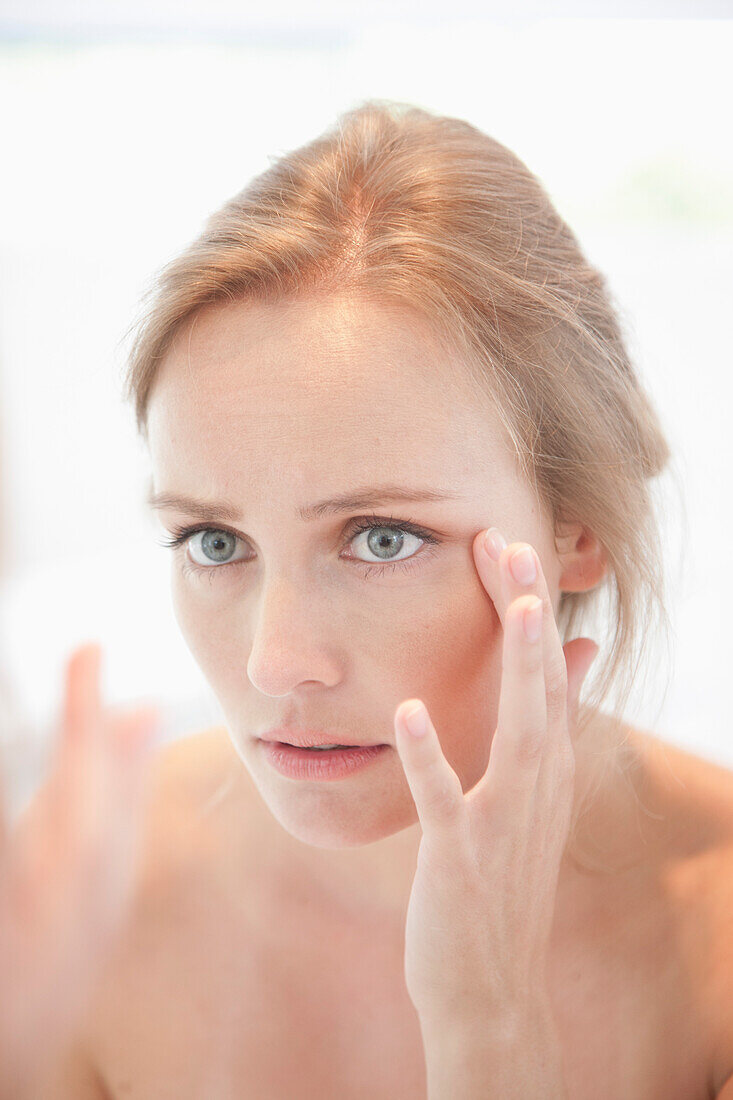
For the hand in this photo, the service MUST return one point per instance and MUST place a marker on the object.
(483, 897)
(65, 874)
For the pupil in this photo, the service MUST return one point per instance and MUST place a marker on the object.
(214, 545)
(380, 545)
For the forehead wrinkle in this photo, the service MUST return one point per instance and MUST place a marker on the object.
(345, 502)
(373, 497)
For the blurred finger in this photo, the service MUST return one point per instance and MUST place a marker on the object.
(133, 734)
(4, 824)
(80, 711)
(82, 701)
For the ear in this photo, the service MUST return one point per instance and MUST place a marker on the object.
(582, 557)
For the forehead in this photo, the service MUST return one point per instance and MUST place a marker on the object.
(320, 388)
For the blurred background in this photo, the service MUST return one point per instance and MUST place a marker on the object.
(125, 125)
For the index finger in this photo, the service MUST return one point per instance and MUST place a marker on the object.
(82, 702)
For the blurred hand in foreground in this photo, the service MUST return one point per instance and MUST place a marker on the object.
(67, 871)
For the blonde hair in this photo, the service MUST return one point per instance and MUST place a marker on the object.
(394, 203)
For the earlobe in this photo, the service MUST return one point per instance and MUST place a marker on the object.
(582, 556)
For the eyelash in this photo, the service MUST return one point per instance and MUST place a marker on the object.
(180, 535)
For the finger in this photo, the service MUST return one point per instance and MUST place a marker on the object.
(80, 711)
(8, 734)
(70, 885)
(77, 754)
(109, 790)
(75, 849)
(131, 737)
(518, 571)
(132, 733)
(555, 786)
(435, 787)
(521, 731)
(4, 816)
(78, 848)
(82, 703)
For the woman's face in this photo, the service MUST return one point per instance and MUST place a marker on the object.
(298, 621)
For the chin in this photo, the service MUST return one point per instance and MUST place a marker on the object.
(328, 840)
(350, 824)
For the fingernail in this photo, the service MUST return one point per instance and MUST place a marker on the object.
(533, 622)
(494, 543)
(522, 565)
(416, 721)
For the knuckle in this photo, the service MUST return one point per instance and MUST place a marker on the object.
(532, 661)
(566, 766)
(441, 788)
(557, 692)
(568, 761)
(440, 802)
(556, 829)
(530, 745)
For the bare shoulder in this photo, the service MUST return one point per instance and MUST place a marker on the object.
(695, 796)
(72, 1076)
(694, 792)
(199, 800)
(196, 785)
(194, 768)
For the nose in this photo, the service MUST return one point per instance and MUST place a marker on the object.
(293, 640)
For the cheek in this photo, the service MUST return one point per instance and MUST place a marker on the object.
(455, 662)
(447, 651)
(205, 621)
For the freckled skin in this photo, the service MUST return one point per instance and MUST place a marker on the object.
(276, 406)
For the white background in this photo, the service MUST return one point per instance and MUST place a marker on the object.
(120, 137)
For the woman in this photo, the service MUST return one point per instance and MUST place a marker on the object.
(386, 345)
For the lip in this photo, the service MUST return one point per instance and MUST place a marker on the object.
(301, 764)
(307, 738)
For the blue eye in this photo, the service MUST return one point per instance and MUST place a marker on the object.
(215, 546)
(385, 540)
(218, 544)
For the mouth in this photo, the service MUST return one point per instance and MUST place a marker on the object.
(319, 762)
(325, 748)
(318, 748)
(315, 740)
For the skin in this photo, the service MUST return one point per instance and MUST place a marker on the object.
(66, 874)
(272, 407)
(492, 807)
(477, 975)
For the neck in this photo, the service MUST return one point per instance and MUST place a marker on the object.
(377, 878)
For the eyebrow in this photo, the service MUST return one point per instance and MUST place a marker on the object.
(373, 496)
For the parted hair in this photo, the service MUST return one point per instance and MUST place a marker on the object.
(396, 204)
